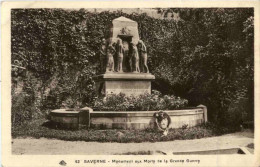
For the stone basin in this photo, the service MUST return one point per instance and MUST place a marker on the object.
(70, 118)
(137, 120)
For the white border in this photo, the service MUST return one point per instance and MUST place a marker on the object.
(53, 160)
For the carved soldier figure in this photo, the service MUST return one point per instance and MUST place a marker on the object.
(143, 56)
(110, 59)
(135, 58)
(119, 54)
(102, 55)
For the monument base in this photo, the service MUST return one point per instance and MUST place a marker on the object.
(127, 83)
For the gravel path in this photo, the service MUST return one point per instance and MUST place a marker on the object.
(55, 147)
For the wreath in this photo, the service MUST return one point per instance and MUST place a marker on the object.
(162, 120)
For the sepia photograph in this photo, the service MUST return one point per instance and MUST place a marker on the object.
(173, 82)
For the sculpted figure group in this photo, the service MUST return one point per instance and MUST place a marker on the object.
(112, 57)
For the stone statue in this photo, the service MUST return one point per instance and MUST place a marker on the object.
(119, 54)
(110, 59)
(143, 56)
(102, 55)
(135, 58)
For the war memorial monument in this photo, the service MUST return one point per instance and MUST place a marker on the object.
(123, 69)
(123, 59)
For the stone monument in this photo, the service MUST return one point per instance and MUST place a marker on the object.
(123, 61)
(123, 69)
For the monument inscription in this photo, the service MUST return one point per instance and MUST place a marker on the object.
(128, 87)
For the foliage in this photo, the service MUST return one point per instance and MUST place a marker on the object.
(25, 104)
(22, 108)
(215, 63)
(143, 102)
(207, 57)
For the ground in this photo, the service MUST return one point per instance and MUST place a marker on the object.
(46, 146)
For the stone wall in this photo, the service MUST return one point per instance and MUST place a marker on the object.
(144, 119)
(127, 119)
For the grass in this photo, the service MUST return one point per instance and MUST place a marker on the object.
(39, 128)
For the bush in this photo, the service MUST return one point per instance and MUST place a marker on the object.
(144, 102)
(25, 100)
(21, 108)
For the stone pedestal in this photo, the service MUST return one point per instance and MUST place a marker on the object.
(127, 83)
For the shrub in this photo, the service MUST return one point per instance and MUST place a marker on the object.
(21, 108)
(144, 102)
(25, 100)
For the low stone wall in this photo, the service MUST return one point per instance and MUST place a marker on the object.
(144, 119)
(126, 119)
(65, 118)
(70, 118)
